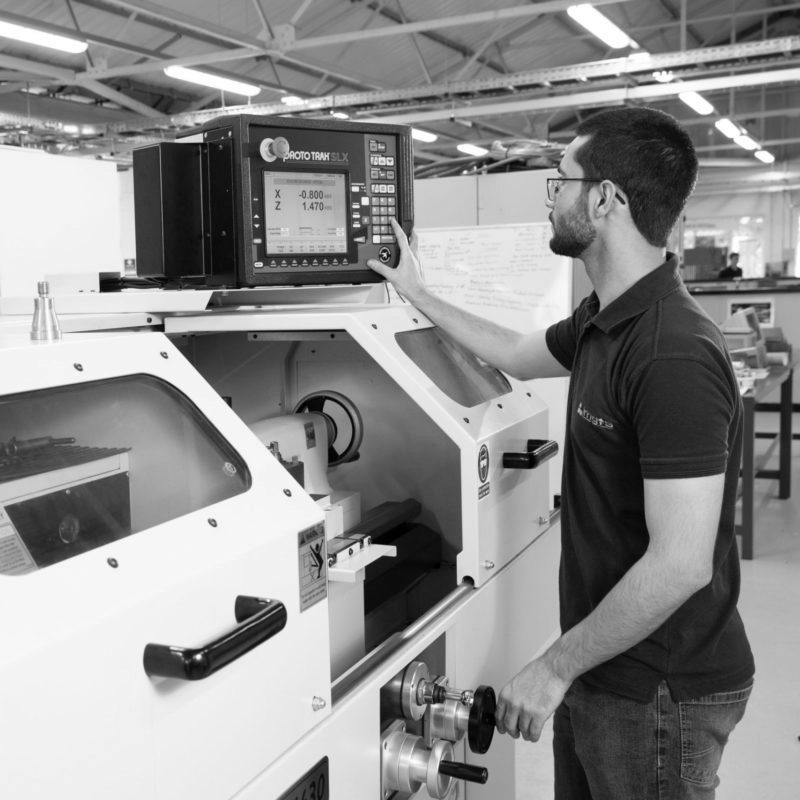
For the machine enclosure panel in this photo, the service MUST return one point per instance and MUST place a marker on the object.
(500, 516)
(73, 683)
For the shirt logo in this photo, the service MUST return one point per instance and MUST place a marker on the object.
(598, 422)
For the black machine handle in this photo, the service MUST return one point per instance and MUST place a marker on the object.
(260, 620)
(481, 724)
(536, 452)
(464, 772)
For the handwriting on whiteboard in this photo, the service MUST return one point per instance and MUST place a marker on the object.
(506, 273)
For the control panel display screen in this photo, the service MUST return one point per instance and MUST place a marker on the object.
(306, 213)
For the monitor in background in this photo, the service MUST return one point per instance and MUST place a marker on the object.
(745, 338)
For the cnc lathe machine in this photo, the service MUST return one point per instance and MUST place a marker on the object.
(266, 542)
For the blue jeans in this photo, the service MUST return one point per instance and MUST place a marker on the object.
(607, 747)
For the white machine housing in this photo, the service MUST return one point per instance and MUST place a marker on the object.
(81, 717)
(416, 436)
(309, 698)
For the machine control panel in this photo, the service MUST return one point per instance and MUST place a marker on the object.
(279, 201)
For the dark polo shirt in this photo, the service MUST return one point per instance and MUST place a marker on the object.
(652, 395)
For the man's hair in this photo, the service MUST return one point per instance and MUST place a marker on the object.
(649, 156)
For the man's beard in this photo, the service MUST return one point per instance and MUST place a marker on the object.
(573, 233)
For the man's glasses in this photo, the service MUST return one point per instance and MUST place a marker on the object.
(554, 186)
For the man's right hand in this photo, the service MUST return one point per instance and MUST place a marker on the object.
(406, 277)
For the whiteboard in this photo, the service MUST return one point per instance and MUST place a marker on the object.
(505, 273)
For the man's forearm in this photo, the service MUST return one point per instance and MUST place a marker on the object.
(646, 596)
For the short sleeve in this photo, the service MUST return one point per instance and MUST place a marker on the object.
(562, 337)
(683, 411)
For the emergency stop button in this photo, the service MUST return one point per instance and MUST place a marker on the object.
(384, 254)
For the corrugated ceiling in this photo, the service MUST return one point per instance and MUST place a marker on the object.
(519, 73)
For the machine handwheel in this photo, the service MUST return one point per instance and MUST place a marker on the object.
(343, 420)
(480, 729)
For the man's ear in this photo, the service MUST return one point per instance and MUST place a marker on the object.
(603, 204)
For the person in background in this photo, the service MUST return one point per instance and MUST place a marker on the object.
(733, 270)
(653, 669)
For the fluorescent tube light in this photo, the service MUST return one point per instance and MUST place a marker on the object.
(339, 115)
(423, 136)
(747, 143)
(728, 128)
(765, 156)
(471, 149)
(291, 100)
(21, 33)
(600, 26)
(212, 81)
(697, 102)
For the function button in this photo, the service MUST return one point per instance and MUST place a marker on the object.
(390, 188)
(374, 173)
(373, 145)
(381, 147)
(389, 161)
(390, 175)
(376, 239)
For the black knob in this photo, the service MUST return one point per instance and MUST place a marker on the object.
(464, 772)
(480, 728)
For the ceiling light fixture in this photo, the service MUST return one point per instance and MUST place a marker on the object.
(728, 128)
(471, 149)
(697, 103)
(292, 100)
(423, 136)
(765, 156)
(664, 75)
(600, 26)
(54, 41)
(747, 143)
(212, 81)
(340, 115)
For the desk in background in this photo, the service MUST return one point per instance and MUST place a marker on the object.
(778, 376)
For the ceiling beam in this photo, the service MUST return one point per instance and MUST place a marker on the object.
(633, 65)
(102, 90)
(602, 97)
(477, 18)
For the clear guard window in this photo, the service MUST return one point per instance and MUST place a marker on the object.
(82, 466)
(461, 375)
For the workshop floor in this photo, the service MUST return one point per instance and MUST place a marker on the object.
(762, 760)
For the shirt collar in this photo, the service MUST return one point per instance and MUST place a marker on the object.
(641, 296)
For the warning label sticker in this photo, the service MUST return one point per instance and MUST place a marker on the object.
(15, 559)
(313, 560)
